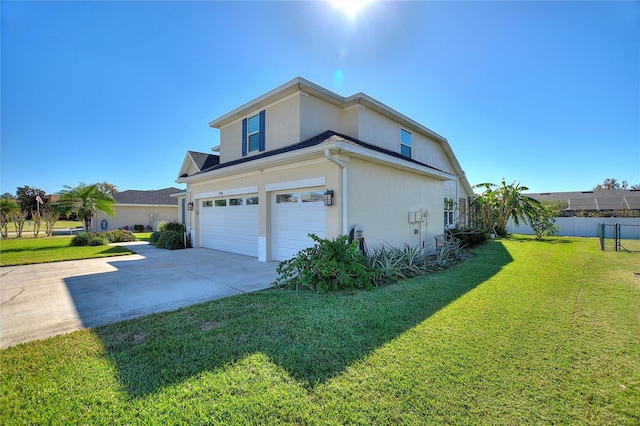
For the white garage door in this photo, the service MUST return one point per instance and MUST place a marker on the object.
(230, 224)
(294, 215)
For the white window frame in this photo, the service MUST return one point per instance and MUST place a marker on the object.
(256, 133)
(404, 145)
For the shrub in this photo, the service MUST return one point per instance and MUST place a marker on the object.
(86, 239)
(171, 240)
(97, 240)
(173, 226)
(153, 240)
(390, 264)
(138, 228)
(470, 237)
(82, 239)
(328, 265)
(119, 236)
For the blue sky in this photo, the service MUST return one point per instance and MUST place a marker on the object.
(545, 93)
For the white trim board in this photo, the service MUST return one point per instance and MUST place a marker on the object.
(294, 184)
(227, 192)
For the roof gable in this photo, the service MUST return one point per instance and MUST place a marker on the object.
(197, 160)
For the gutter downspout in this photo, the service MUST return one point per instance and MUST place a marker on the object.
(345, 190)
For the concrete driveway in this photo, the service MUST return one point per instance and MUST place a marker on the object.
(39, 301)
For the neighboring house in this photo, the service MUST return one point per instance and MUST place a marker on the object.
(607, 203)
(146, 208)
(301, 159)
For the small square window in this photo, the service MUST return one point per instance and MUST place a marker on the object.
(221, 203)
(236, 201)
(207, 203)
(252, 201)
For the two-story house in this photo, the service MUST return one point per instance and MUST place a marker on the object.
(301, 159)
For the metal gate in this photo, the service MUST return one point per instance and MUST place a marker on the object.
(624, 237)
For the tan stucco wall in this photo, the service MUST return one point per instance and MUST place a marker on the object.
(282, 124)
(319, 116)
(284, 128)
(127, 215)
(376, 129)
(381, 197)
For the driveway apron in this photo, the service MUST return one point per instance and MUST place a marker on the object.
(44, 300)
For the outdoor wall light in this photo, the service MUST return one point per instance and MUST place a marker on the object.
(190, 205)
(328, 197)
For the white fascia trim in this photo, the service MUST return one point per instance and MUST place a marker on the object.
(295, 184)
(178, 194)
(262, 163)
(227, 192)
(299, 155)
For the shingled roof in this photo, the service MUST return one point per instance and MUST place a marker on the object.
(160, 197)
(594, 200)
(328, 136)
(203, 160)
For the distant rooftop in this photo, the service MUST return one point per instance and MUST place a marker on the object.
(594, 200)
(160, 197)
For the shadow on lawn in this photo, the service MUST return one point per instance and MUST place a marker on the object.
(312, 336)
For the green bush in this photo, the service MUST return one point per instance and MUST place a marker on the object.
(119, 236)
(170, 240)
(138, 228)
(153, 239)
(97, 240)
(81, 239)
(173, 226)
(470, 237)
(328, 265)
(86, 239)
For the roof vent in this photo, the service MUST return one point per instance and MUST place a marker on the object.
(587, 192)
(184, 175)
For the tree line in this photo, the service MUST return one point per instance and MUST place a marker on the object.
(33, 205)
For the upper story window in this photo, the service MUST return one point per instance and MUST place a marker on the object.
(406, 143)
(253, 133)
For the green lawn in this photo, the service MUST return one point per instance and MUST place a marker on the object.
(24, 251)
(526, 332)
(28, 227)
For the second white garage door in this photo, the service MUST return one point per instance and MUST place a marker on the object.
(230, 224)
(294, 215)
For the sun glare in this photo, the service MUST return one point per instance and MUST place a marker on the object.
(351, 8)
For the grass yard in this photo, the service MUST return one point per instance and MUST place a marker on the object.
(526, 332)
(24, 251)
(28, 226)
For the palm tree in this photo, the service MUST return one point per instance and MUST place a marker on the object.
(7, 209)
(86, 200)
(499, 203)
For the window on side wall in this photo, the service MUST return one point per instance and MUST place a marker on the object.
(253, 131)
(406, 143)
(449, 209)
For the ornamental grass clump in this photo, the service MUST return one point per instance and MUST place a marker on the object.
(338, 265)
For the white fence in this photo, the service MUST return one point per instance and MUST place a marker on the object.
(585, 226)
